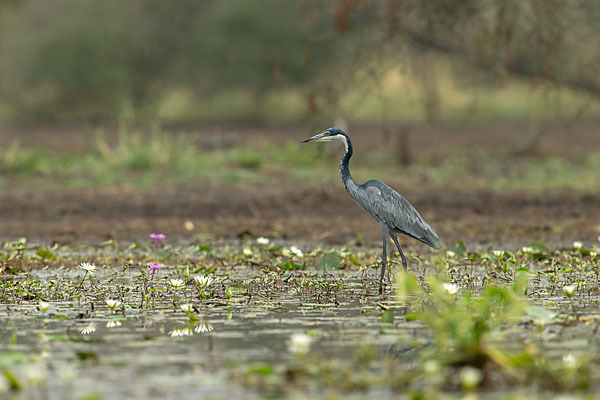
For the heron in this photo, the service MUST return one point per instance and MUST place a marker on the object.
(393, 212)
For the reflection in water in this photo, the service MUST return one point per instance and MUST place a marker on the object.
(86, 330)
(203, 327)
(113, 323)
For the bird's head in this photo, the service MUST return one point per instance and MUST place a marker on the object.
(328, 135)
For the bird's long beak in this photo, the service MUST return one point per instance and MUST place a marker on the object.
(316, 137)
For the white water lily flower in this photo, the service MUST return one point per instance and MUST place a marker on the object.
(177, 283)
(450, 254)
(87, 267)
(569, 290)
(451, 288)
(527, 250)
(113, 323)
(113, 303)
(43, 306)
(293, 251)
(187, 308)
(570, 361)
(204, 280)
(577, 245)
(203, 327)
(88, 329)
(296, 251)
(263, 240)
(470, 377)
(593, 254)
(498, 253)
(247, 252)
(299, 343)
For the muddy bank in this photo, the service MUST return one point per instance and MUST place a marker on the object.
(294, 212)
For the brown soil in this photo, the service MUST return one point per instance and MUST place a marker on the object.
(307, 212)
(314, 213)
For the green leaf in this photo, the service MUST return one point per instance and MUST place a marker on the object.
(205, 248)
(354, 259)
(459, 248)
(412, 317)
(329, 261)
(538, 247)
(87, 356)
(288, 265)
(260, 369)
(387, 317)
(45, 254)
(12, 380)
(540, 315)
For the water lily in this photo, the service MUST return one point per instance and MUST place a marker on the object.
(88, 329)
(203, 280)
(113, 323)
(263, 240)
(87, 267)
(296, 251)
(154, 268)
(569, 290)
(157, 237)
(527, 250)
(292, 251)
(593, 254)
(203, 327)
(470, 377)
(498, 253)
(570, 361)
(451, 288)
(577, 245)
(247, 252)
(299, 343)
(43, 306)
(112, 303)
(177, 283)
(187, 308)
(450, 254)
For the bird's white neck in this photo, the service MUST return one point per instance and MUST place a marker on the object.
(344, 168)
(342, 139)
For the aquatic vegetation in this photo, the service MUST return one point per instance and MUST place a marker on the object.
(154, 268)
(157, 238)
(464, 321)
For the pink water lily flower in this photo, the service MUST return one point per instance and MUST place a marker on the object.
(154, 268)
(157, 237)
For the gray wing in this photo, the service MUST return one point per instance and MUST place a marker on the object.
(386, 205)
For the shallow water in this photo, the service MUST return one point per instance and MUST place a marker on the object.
(106, 352)
(234, 347)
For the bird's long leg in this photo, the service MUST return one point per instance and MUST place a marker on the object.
(395, 239)
(384, 234)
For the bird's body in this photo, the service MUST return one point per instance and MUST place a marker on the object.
(393, 212)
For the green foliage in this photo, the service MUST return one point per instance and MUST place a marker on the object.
(462, 323)
(18, 159)
(77, 60)
(137, 152)
(330, 261)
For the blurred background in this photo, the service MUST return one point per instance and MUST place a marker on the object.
(117, 118)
